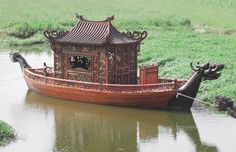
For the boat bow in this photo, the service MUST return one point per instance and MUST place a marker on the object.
(17, 57)
(187, 93)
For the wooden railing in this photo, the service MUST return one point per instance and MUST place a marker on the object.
(40, 76)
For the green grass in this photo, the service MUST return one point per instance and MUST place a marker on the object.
(7, 133)
(174, 49)
(31, 17)
(219, 13)
(171, 41)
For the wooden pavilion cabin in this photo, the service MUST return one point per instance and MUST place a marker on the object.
(95, 51)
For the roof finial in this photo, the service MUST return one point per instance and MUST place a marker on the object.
(110, 18)
(79, 16)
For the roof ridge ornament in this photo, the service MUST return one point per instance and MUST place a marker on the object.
(110, 18)
(79, 16)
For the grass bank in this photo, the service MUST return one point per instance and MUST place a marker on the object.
(179, 32)
(22, 22)
(7, 133)
(173, 50)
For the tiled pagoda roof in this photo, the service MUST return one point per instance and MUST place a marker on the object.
(87, 32)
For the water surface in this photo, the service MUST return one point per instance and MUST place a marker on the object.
(45, 124)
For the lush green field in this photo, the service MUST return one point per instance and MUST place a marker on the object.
(6, 133)
(172, 40)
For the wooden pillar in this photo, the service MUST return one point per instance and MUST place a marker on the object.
(128, 50)
(107, 70)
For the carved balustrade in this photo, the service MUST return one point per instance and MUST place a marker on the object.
(38, 75)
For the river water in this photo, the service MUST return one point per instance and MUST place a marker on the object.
(45, 124)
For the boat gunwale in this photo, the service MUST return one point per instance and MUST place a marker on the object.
(139, 88)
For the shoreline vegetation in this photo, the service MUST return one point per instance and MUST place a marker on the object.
(179, 32)
(7, 133)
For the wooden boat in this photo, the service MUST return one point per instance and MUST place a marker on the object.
(95, 63)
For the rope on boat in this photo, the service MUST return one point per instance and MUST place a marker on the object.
(231, 110)
(201, 101)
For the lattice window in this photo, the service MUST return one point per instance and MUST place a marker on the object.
(78, 63)
(79, 67)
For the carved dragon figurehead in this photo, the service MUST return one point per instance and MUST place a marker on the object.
(14, 56)
(187, 92)
(17, 57)
(208, 71)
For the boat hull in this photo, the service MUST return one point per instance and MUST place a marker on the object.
(130, 99)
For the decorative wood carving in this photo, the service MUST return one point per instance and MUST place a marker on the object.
(79, 16)
(58, 61)
(80, 77)
(95, 68)
(54, 34)
(38, 75)
(102, 68)
(137, 35)
(110, 18)
(111, 66)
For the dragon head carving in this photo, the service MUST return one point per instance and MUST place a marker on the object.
(208, 71)
(14, 56)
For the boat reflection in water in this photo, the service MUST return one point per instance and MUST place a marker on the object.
(87, 128)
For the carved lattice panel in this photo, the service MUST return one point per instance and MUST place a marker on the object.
(102, 80)
(58, 75)
(111, 67)
(57, 61)
(102, 66)
(125, 58)
(125, 78)
(133, 64)
(133, 77)
(80, 77)
(122, 65)
(95, 68)
(64, 65)
(125, 70)
(119, 79)
(119, 58)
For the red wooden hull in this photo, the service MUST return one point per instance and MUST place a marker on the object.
(142, 99)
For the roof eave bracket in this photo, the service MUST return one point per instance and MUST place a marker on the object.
(136, 35)
(53, 34)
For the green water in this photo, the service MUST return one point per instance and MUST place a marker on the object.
(45, 124)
